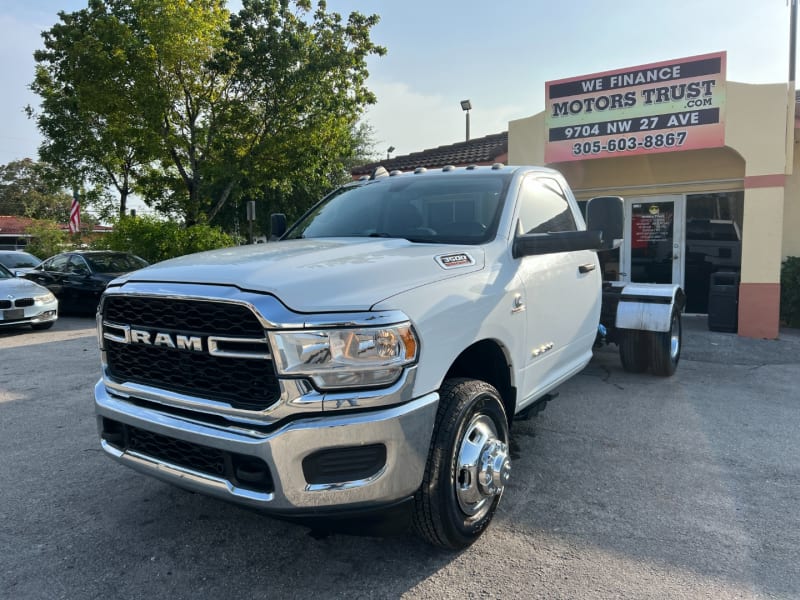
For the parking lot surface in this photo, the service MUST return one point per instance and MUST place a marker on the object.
(625, 486)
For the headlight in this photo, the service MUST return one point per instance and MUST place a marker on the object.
(346, 358)
(44, 298)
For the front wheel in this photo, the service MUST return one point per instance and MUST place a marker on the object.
(468, 465)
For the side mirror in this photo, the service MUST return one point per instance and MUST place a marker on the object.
(530, 244)
(277, 225)
(605, 213)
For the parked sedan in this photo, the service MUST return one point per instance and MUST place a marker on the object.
(24, 302)
(79, 278)
(18, 262)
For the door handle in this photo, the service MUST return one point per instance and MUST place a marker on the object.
(586, 268)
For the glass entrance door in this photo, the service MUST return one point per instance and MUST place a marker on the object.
(654, 239)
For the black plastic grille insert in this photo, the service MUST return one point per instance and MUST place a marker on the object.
(217, 318)
(241, 470)
(246, 383)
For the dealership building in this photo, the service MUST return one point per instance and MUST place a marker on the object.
(707, 169)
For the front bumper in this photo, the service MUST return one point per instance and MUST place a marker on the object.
(405, 430)
(31, 315)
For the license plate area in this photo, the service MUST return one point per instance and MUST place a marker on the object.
(13, 314)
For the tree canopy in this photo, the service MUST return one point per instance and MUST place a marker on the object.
(27, 191)
(189, 105)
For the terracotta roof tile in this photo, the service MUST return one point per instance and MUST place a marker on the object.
(11, 224)
(14, 225)
(485, 150)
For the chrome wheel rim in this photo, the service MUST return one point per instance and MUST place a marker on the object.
(483, 467)
(675, 339)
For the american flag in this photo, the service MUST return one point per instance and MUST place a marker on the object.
(75, 215)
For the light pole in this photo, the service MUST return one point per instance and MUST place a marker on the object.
(389, 150)
(466, 106)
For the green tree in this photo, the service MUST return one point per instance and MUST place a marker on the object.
(191, 105)
(92, 77)
(27, 190)
(298, 198)
(299, 90)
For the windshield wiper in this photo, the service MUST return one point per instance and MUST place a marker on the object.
(413, 240)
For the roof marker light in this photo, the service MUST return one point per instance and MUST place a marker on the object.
(420, 170)
(448, 168)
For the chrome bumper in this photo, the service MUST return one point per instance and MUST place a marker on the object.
(405, 430)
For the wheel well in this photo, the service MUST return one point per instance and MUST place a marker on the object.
(485, 360)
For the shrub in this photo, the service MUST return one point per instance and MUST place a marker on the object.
(790, 291)
(46, 239)
(156, 240)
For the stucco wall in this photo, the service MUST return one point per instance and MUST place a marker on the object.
(756, 125)
(791, 208)
(526, 140)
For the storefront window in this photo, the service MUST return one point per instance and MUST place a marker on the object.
(713, 242)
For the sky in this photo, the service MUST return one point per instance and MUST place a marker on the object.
(496, 54)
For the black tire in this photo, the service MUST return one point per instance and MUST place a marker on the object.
(444, 512)
(665, 348)
(41, 326)
(634, 351)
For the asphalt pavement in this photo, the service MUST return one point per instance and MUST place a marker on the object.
(626, 486)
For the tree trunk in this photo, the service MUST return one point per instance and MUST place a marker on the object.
(222, 199)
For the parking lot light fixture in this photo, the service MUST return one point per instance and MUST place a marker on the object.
(466, 106)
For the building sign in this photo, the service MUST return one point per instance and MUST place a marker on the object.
(650, 224)
(660, 107)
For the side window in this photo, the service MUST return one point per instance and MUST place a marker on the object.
(544, 207)
(78, 265)
(57, 264)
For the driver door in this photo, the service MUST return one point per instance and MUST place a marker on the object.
(562, 290)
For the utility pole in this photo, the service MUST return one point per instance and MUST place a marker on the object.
(792, 40)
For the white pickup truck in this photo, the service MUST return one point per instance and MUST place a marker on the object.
(377, 354)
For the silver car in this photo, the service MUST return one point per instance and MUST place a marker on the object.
(18, 261)
(23, 302)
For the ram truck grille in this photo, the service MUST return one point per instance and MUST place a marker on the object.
(246, 382)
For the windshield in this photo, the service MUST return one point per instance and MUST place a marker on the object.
(5, 273)
(114, 263)
(19, 260)
(451, 208)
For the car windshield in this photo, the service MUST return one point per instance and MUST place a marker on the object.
(19, 260)
(446, 208)
(5, 273)
(114, 263)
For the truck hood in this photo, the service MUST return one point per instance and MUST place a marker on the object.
(319, 275)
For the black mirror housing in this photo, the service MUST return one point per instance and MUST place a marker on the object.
(529, 244)
(604, 213)
(277, 225)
